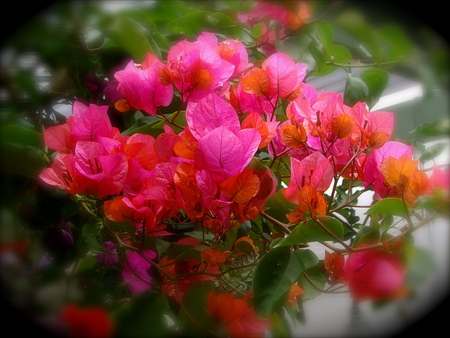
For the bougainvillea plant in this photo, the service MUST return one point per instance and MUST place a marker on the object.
(198, 216)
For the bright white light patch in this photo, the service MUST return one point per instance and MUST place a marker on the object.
(399, 97)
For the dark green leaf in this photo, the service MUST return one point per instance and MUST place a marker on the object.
(20, 136)
(396, 44)
(311, 281)
(270, 280)
(91, 231)
(142, 317)
(22, 160)
(274, 275)
(194, 303)
(356, 90)
(376, 81)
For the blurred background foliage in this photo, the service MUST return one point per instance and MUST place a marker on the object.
(69, 50)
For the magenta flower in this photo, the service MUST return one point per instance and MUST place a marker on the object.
(86, 124)
(63, 174)
(135, 272)
(373, 274)
(141, 86)
(103, 174)
(285, 75)
(210, 113)
(229, 50)
(196, 69)
(225, 153)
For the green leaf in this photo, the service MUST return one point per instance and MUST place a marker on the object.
(143, 316)
(356, 24)
(184, 251)
(154, 126)
(20, 136)
(432, 151)
(91, 231)
(194, 303)
(129, 35)
(312, 232)
(366, 235)
(274, 275)
(339, 54)
(279, 326)
(436, 128)
(376, 81)
(20, 150)
(270, 280)
(421, 266)
(22, 160)
(390, 206)
(278, 206)
(396, 44)
(316, 276)
(356, 90)
(321, 36)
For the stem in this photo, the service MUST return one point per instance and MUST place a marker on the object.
(276, 222)
(331, 234)
(320, 289)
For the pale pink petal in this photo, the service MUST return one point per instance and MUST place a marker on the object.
(222, 153)
(209, 113)
(283, 74)
(58, 138)
(250, 140)
(92, 123)
(381, 121)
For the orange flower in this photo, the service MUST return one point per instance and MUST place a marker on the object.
(236, 314)
(201, 79)
(122, 105)
(245, 239)
(186, 147)
(214, 257)
(267, 130)
(312, 201)
(256, 82)
(342, 126)
(242, 187)
(334, 264)
(294, 292)
(403, 176)
(293, 136)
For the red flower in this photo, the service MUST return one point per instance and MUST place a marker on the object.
(89, 322)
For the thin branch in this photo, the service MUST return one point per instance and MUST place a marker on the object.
(276, 222)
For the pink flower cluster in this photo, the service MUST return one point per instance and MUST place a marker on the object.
(207, 171)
